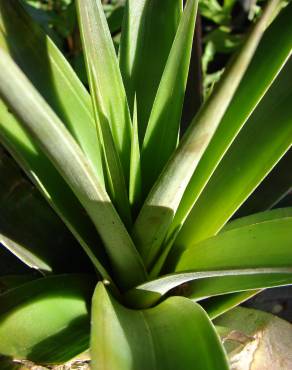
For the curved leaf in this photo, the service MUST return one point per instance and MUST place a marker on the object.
(266, 244)
(198, 285)
(177, 334)
(46, 320)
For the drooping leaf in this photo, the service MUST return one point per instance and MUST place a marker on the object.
(271, 190)
(175, 334)
(105, 80)
(30, 229)
(70, 162)
(164, 198)
(265, 66)
(162, 131)
(51, 74)
(148, 31)
(267, 135)
(46, 320)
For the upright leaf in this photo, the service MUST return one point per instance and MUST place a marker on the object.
(67, 157)
(259, 146)
(164, 198)
(162, 130)
(148, 32)
(135, 186)
(265, 66)
(106, 85)
(177, 334)
(52, 75)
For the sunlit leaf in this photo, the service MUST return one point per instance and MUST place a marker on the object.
(175, 334)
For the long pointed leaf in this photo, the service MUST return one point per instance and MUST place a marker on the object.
(38, 167)
(148, 32)
(267, 135)
(265, 66)
(51, 74)
(162, 130)
(164, 198)
(105, 80)
(68, 159)
(266, 244)
(162, 337)
(272, 189)
(198, 285)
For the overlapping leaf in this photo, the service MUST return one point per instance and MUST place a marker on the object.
(148, 32)
(162, 131)
(175, 334)
(51, 74)
(164, 198)
(267, 135)
(265, 66)
(68, 159)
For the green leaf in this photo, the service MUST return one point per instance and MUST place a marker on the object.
(148, 32)
(256, 150)
(272, 189)
(162, 131)
(39, 239)
(266, 64)
(52, 186)
(217, 306)
(176, 334)
(266, 244)
(257, 218)
(198, 285)
(67, 157)
(209, 287)
(105, 80)
(164, 198)
(46, 320)
(135, 186)
(51, 74)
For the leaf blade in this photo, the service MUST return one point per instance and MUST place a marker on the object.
(136, 339)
